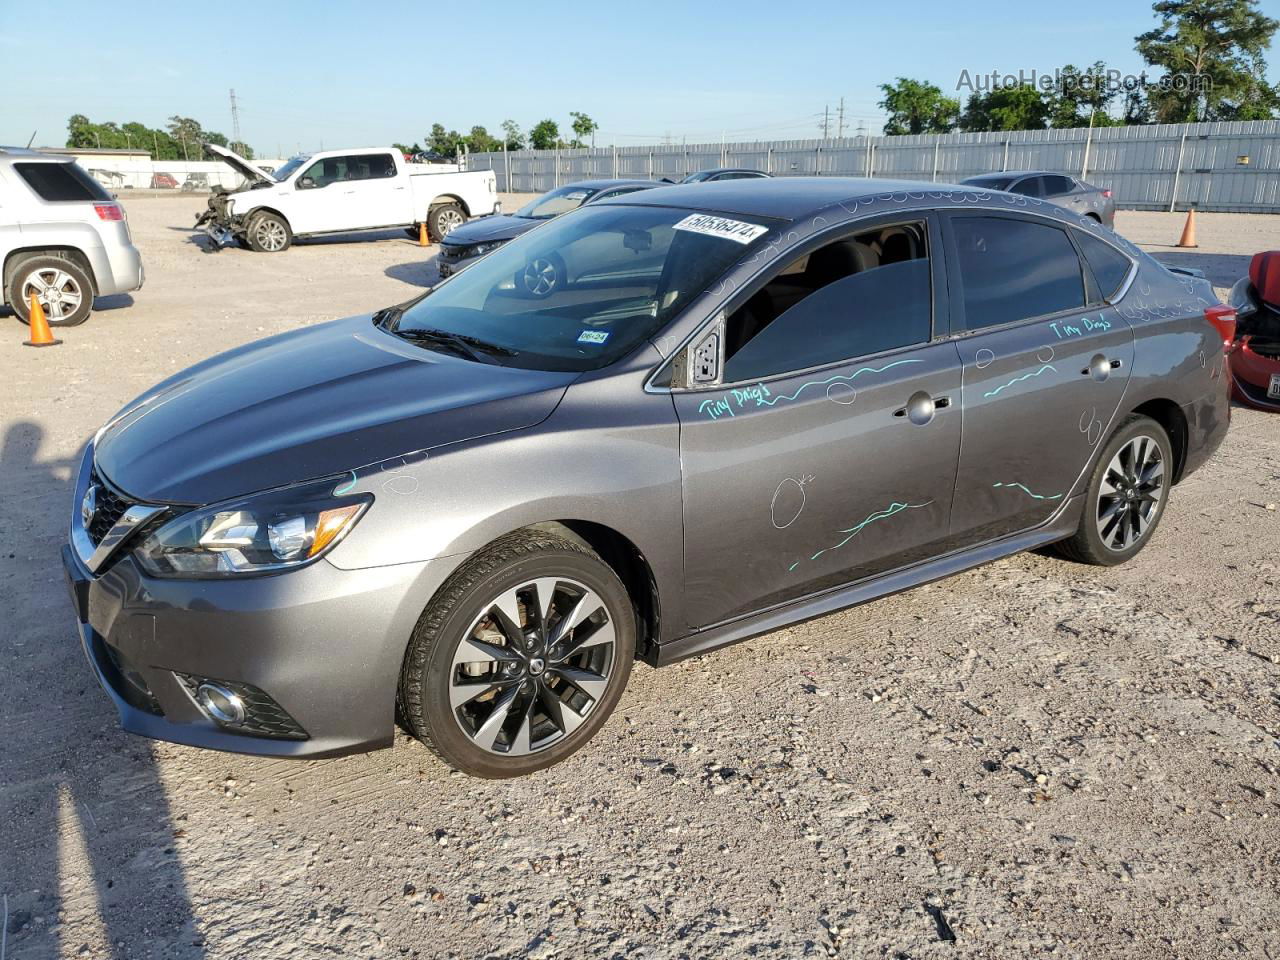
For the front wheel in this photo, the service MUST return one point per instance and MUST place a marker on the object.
(268, 233)
(1126, 496)
(520, 658)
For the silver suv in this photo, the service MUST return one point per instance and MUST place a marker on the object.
(62, 237)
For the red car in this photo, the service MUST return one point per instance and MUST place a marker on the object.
(163, 181)
(1254, 354)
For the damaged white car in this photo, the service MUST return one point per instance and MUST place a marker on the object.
(342, 191)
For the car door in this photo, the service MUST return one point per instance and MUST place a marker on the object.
(372, 193)
(1065, 192)
(826, 452)
(1045, 365)
(318, 203)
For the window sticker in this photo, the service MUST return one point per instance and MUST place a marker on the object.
(593, 336)
(734, 230)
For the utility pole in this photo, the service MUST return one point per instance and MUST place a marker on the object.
(840, 121)
(826, 120)
(235, 124)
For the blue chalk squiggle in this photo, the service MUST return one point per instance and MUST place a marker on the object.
(1025, 376)
(716, 407)
(1056, 496)
(889, 511)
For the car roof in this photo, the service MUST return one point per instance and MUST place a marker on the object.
(729, 170)
(14, 154)
(1012, 174)
(786, 198)
(602, 184)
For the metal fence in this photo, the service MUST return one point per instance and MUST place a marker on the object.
(1211, 166)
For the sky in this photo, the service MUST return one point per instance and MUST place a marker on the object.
(314, 74)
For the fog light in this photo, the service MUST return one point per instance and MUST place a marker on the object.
(220, 703)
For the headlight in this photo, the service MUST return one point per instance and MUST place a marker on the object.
(273, 531)
(480, 249)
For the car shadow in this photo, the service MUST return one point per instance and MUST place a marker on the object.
(115, 301)
(88, 850)
(419, 273)
(373, 236)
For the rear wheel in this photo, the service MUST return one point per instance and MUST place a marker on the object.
(268, 233)
(520, 658)
(62, 287)
(443, 220)
(1126, 496)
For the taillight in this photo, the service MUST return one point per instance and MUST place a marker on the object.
(109, 211)
(1224, 319)
(1107, 194)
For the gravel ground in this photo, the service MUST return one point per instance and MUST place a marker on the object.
(1030, 758)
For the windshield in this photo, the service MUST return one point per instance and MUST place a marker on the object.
(557, 202)
(580, 292)
(287, 168)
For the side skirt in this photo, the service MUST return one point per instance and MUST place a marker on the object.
(1063, 525)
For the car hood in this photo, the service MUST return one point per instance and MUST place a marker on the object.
(308, 404)
(239, 164)
(502, 227)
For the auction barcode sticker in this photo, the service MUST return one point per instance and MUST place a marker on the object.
(734, 230)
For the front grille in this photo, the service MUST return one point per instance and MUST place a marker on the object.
(263, 717)
(110, 508)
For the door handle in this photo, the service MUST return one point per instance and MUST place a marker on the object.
(1100, 367)
(921, 408)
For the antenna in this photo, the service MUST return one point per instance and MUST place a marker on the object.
(235, 122)
(33, 138)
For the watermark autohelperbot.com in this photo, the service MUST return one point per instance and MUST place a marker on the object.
(1109, 81)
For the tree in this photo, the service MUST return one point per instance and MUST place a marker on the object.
(514, 138)
(479, 141)
(444, 143)
(583, 127)
(916, 106)
(1016, 107)
(1211, 52)
(545, 135)
(1081, 97)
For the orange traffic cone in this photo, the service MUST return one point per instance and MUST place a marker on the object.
(41, 335)
(422, 236)
(1189, 230)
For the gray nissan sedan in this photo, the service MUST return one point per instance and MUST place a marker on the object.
(653, 427)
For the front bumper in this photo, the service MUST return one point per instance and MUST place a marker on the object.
(323, 644)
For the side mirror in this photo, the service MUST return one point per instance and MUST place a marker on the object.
(701, 364)
(306, 183)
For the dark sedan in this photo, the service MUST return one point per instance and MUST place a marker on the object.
(1059, 188)
(467, 243)
(724, 173)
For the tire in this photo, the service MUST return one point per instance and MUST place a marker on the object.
(1112, 514)
(64, 288)
(528, 711)
(443, 219)
(541, 276)
(268, 233)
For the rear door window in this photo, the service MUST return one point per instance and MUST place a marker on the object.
(1014, 269)
(1028, 187)
(59, 182)
(1057, 186)
(860, 295)
(1110, 267)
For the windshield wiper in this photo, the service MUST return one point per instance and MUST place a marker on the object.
(472, 348)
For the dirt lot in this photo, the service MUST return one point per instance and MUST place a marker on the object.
(1031, 758)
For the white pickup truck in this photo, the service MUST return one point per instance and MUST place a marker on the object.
(343, 191)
